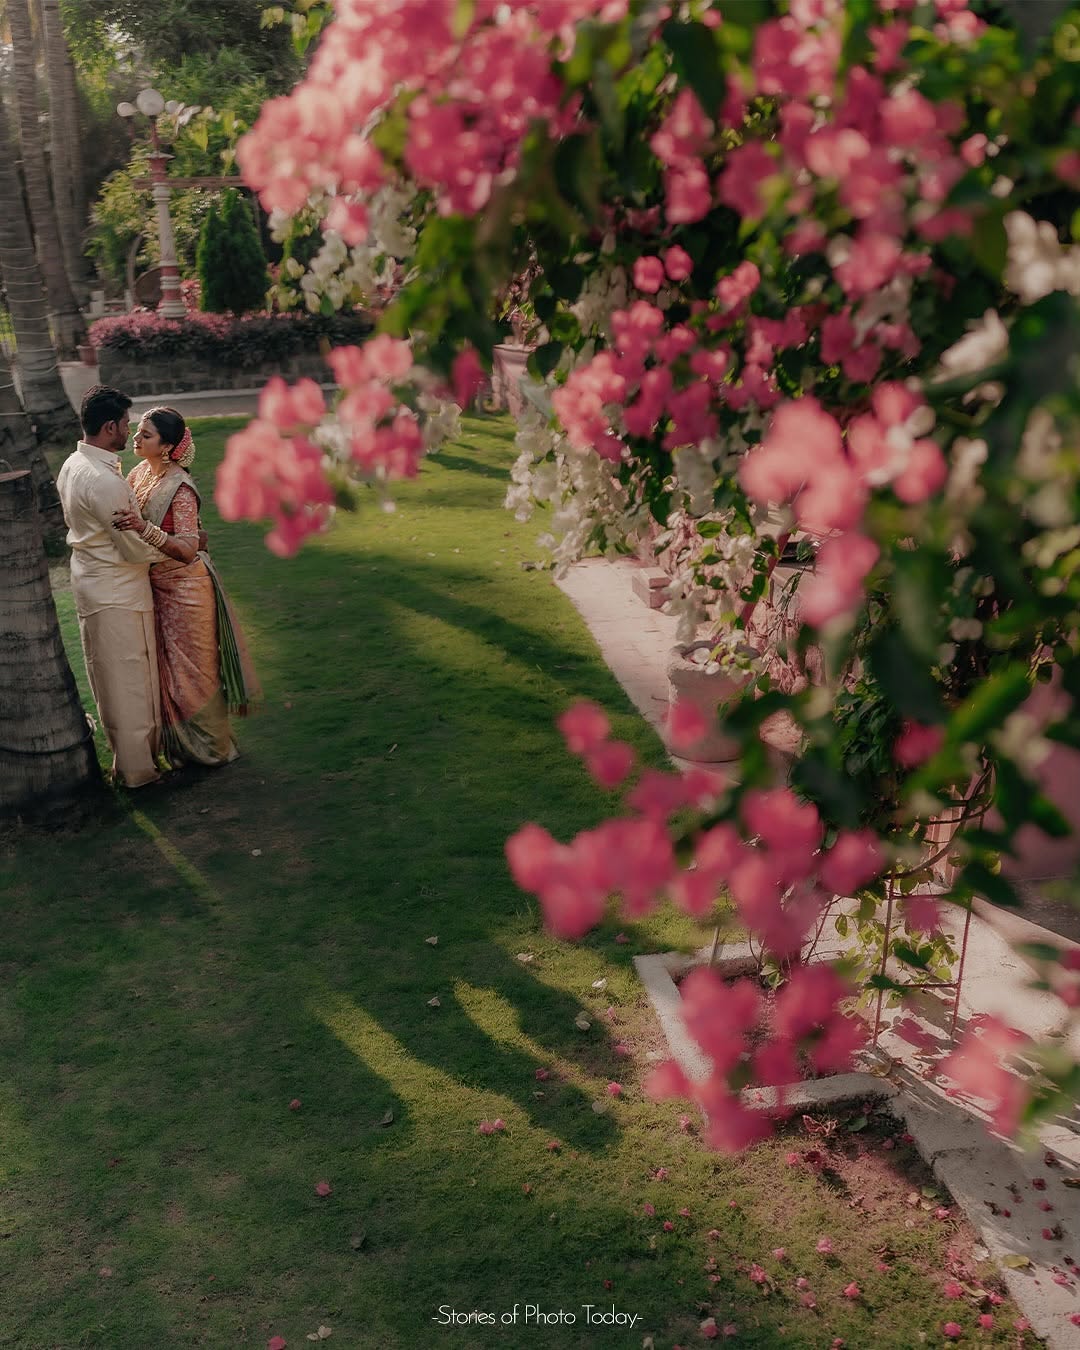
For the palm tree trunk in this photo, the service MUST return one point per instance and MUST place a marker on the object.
(69, 327)
(19, 449)
(43, 394)
(48, 768)
(68, 175)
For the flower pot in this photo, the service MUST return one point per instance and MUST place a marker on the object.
(704, 689)
(509, 370)
(87, 354)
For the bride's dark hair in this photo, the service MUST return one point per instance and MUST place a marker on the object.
(168, 423)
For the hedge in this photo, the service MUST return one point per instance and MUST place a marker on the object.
(220, 338)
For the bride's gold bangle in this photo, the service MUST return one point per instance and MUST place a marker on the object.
(154, 535)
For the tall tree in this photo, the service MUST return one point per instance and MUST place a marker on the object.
(48, 767)
(42, 391)
(69, 327)
(19, 449)
(68, 175)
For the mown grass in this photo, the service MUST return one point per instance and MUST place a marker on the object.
(171, 979)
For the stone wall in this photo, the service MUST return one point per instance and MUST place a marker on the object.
(141, 375)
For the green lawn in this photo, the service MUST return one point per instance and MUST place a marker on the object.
(171, 979)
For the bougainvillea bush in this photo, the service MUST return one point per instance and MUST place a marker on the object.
(253, 340)
(803, 269)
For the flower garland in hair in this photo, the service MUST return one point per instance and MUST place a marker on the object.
(184, 451)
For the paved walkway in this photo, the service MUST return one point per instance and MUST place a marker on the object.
(996, 1183)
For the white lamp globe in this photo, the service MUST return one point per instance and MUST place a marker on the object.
(126, 109)
(150, 102)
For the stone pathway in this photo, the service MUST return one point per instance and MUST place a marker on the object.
(999, 1186)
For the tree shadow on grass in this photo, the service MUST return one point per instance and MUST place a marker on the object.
(448, 460)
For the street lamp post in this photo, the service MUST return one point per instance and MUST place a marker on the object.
(151, 104)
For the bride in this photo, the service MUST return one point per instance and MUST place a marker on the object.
(204, 666)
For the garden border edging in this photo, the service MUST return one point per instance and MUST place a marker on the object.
(973, 1165)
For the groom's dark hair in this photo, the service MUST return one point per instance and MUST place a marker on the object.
(100, 405)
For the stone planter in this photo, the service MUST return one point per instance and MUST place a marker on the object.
(690, 682)
(510, 361)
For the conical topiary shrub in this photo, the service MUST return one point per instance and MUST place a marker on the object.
(229, 258)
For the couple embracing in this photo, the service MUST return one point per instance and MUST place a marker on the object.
(165, 656)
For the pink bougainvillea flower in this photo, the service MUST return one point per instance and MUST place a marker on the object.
(323, 1188)
(584, 726)
(467, 376)
(854, 859)
(952, 1289)
(276, 1343)
(553, 1145)
(757, 1273)
(979, 1067)
(668, 1226)
(543, 1074)
(615, 1089)
(686, 725)
(836, 585)
(648, 274)
(608, 764)
(677, 263)
(485, 1127)
(709, 1329)
(295, 1104)
(852, 1290)
(685, 1123)
(620, 1048)
(780, 1253)
(649, 1208)
(952, 1330)
(729, 1328)
(922, 913)
(824, 1245)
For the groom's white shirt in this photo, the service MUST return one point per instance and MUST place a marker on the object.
(109, 567)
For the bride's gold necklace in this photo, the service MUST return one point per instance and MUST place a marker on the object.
(145, 485)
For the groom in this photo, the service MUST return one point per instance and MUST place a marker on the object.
(111, 585)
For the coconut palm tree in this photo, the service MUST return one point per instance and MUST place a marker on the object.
(69, 327)
(19, 449)
(68, 175)
(43, 394)
(48, 767)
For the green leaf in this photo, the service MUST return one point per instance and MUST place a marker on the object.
(987, 708)
(910, 957)
(544, 360)
(859, 1123)
(1040, 951)
(904, 677)
(696, 57)
(462, 18)
(990, 244)
(980, 880)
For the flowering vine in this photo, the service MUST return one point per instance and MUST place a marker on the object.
(805, 276)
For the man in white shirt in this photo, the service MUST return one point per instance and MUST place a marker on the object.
(111, 584)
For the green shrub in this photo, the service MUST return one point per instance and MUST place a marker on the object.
(230, 259)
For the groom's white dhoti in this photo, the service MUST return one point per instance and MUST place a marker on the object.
(111, 585)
